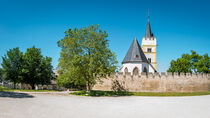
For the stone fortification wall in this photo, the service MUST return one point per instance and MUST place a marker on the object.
(154, 82)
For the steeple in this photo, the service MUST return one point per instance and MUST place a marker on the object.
(148, 30)
(135, 54)
(149, 45)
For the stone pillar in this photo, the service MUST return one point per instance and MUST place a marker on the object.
(182, 75)
(157, 75)
(163, 75)
(150, 76)
(188, 75)
(176, 75)
(144, 75)
(170, 75)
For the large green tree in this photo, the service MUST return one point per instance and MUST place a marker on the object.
(191, 63)
(12, 65)
(85, 53)
(36, 68)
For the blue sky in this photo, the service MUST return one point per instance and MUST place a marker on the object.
(178, 25)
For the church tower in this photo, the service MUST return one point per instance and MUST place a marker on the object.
(149, 45)
(135, 60)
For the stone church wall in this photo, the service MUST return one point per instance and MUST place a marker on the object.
(154, 82)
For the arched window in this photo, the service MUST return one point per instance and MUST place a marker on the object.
(135, 71)
(126, 70)
(145, 69)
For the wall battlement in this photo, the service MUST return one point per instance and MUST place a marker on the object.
(164, 82)
(164, 75)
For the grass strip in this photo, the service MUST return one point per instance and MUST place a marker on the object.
(112, 93)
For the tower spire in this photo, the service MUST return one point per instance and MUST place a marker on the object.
(148, 30)
(148, 14)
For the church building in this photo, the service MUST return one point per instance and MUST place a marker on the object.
(141, 58)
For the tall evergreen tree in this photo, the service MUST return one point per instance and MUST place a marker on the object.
(85, 53)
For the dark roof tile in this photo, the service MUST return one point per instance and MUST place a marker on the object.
(148, 31)
(135, 54)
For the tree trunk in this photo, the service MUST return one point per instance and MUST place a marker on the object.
(33, 86)
(88, 83)
(88, 86)
(15, 84)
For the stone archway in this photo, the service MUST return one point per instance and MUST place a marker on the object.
(126, 70)
(135, 71)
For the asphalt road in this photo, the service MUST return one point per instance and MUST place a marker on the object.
(36, 105)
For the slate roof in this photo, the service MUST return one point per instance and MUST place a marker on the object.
(148, 34)
(135, 54)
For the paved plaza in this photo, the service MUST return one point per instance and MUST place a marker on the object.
(48, 105)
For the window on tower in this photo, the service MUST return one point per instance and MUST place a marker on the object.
(149, 59)
(149, 50)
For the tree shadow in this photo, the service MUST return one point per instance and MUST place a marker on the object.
(117, 86)
(14, 95)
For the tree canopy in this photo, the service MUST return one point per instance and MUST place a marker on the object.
(36, 68)
(12, 65)
(191, 63)
(85, 53)
(29, 67)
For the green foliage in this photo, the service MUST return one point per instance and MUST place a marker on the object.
(46, 69)
(30, 68)
(85, 52)
(12, 65)
(180, 65)
(191, 63)
(36, 68)
(203, 65)
(1, 74)
(32, 65)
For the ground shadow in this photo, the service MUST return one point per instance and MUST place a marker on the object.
(14, 95)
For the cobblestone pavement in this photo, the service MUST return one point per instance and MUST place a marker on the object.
(47, 105)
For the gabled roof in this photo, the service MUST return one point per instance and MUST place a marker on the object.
(148, 30)
(135, 54)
